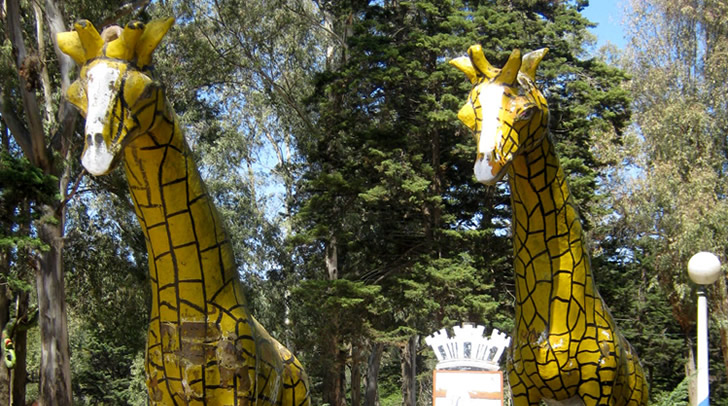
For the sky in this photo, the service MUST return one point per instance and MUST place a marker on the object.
(608, 15)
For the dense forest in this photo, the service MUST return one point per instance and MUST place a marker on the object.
(327, 133)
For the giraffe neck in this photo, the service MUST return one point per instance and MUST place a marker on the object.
(191, 263)
(551, 260)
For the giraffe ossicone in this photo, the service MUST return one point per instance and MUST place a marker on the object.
(566, 349)
(203, 345)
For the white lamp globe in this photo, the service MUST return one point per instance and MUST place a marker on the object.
(704, 268)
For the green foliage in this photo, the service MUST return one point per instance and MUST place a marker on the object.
(676, 397)
(341, 305)
(108, 298)
(360, 114)
(388, 181)
(666, 187)
(102, 372)
(391, 396)
(24, 188)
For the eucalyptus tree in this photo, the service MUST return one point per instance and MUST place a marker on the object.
(672, 178)
(42, 127)
(236, 71)
(24, 189)
(238, 75)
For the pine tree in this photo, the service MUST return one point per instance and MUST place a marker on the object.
(389, 179)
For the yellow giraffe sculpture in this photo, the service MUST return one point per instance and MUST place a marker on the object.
(566, 349)
(203, 345)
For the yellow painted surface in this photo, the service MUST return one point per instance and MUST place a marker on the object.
(203, 347)
(565, 343)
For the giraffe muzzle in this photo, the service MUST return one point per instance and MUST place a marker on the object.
(97, 159)
(488, 171)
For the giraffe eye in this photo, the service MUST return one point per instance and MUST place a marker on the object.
(526, 114)
(148, 91)
(138, 87)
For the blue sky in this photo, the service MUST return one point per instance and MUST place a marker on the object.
(608, 15)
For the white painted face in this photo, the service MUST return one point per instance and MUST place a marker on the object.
(101, 91)
(491, 99)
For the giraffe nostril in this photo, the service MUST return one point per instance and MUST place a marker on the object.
(98, 139)
(89, 140)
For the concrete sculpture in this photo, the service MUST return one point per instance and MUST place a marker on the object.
(203, 345)
(566, 348)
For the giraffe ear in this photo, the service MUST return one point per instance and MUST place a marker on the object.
(70, 44)
(81, 44)
(510, 70)
(531, 61)
(464, 64)
(149, 39)
(76, 95)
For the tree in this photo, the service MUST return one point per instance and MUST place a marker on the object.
(108, 297)
(41, 125)
(24, 188)
(391, 239)
(672, 189)
(388, 187)
(32, 90)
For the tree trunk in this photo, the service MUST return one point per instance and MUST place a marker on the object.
(334, 382)
(340, 399)
(722, 313)
(692, 373)
(20, 373)
(408, 359)
(55, 371)
(29, 132)
(4, 300)
(355, 375)
(371, 396)
(4, 317)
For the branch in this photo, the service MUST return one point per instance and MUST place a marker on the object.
(56, 25)
(123, 11)
(45, 80)
(16, 127)
(38, 154)
(66, 116)
(74, 191)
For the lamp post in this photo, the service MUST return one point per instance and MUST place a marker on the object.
(703, 269)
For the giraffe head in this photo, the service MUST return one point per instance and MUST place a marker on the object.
(115, 91)
(505, 110)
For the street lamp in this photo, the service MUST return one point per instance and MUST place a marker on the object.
(704, 269)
